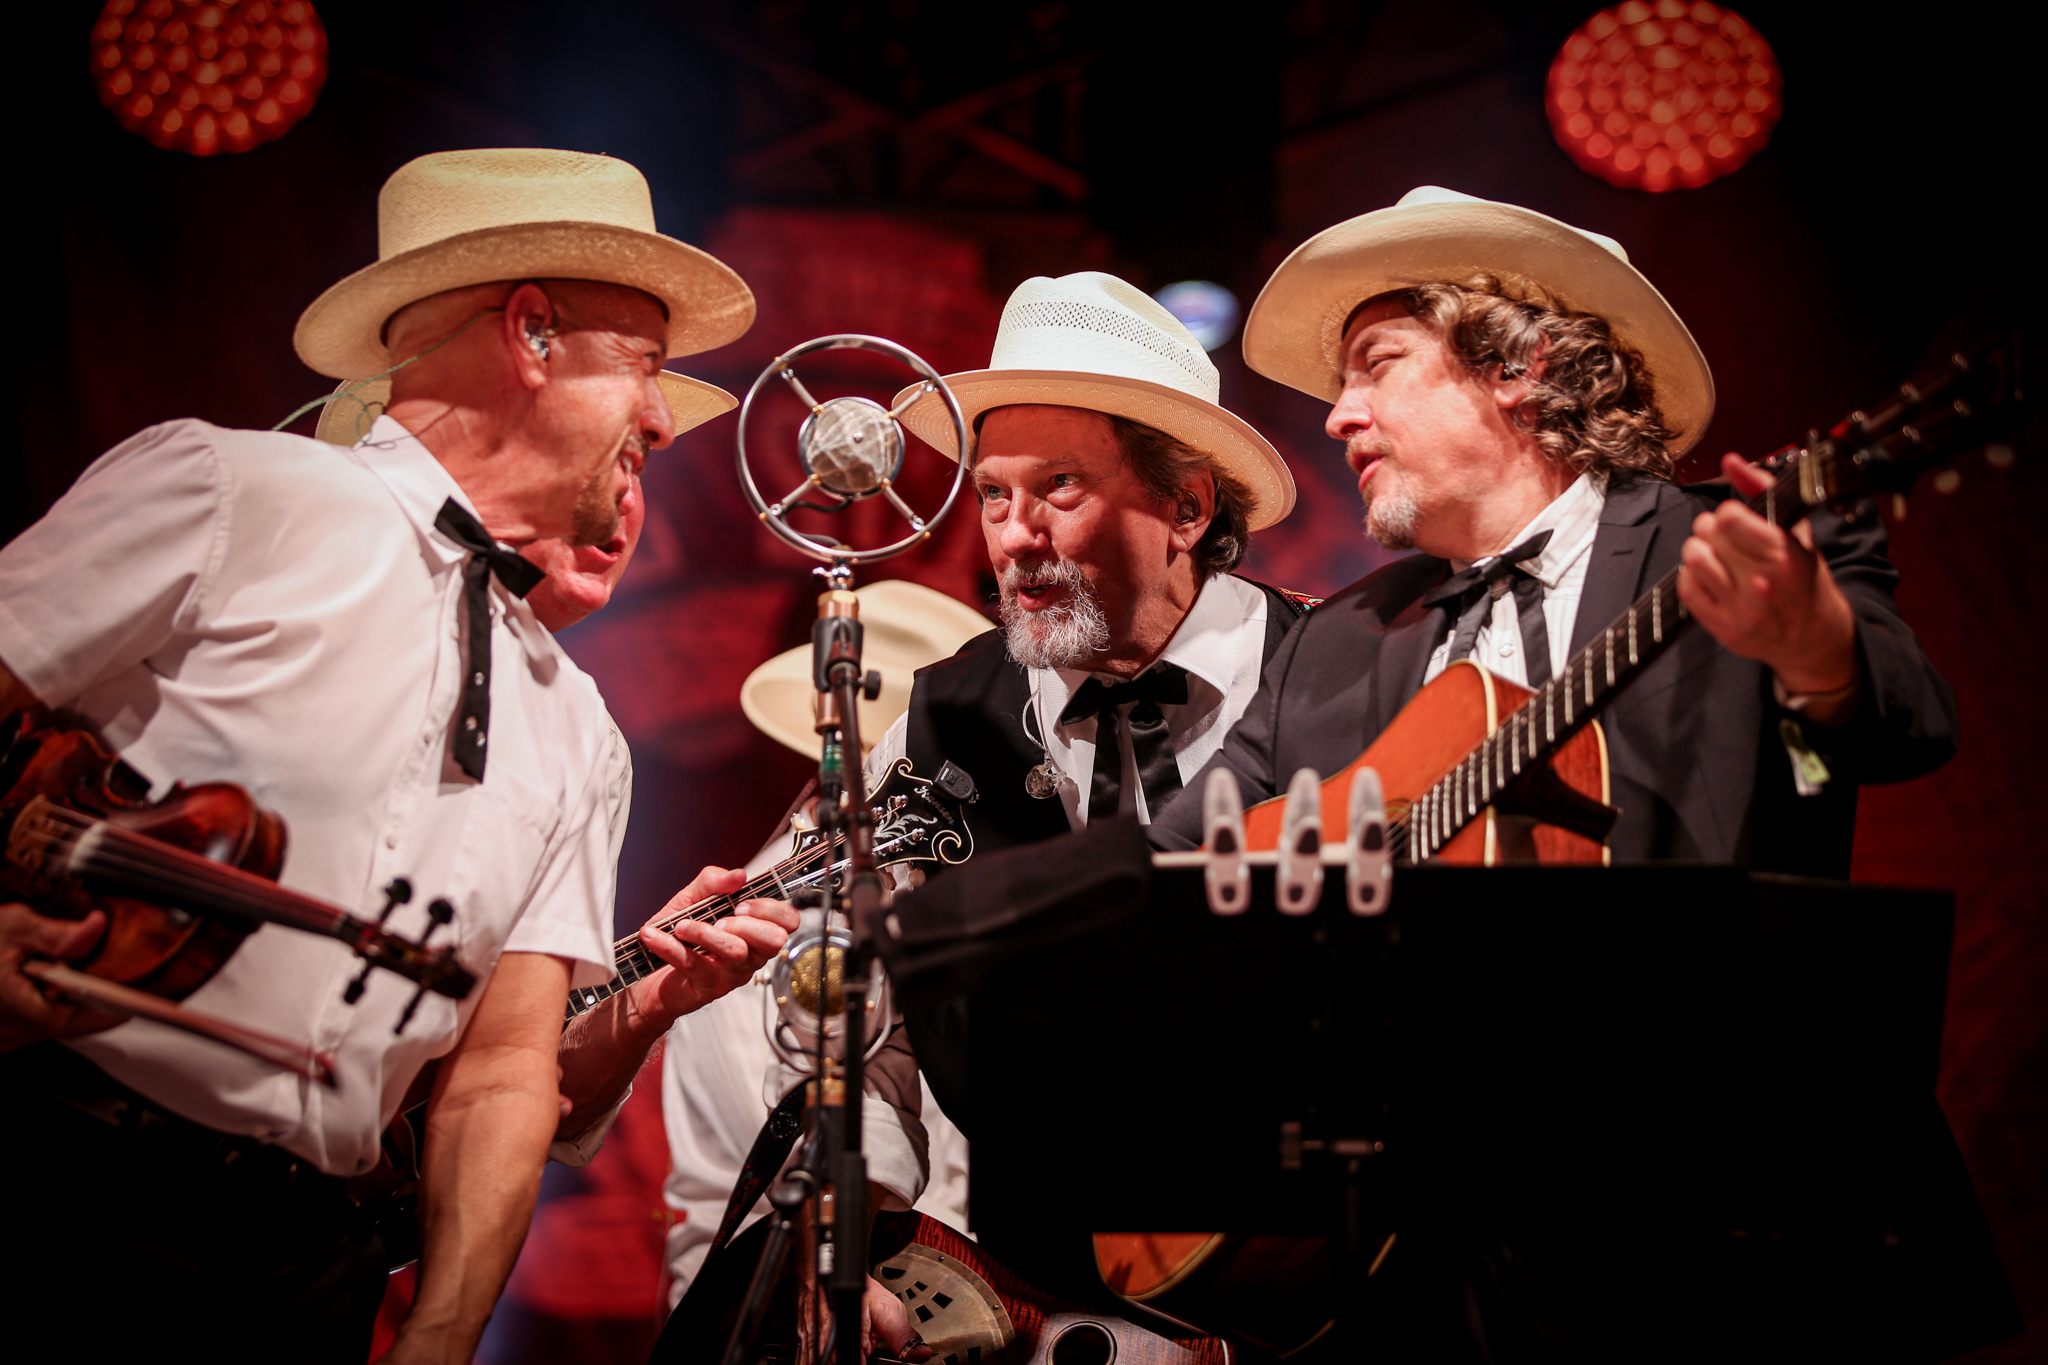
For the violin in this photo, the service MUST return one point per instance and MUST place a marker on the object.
(182, 880)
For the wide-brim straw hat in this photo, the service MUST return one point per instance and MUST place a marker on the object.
(905, 627)
(1091, 340)
(1295, 331)
(355, 406)
(455, 219)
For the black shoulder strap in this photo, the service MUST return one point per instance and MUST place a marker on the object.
(1284, 607)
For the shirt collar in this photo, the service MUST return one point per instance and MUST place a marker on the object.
(421, 484)
(1204, 644)
(417, 480)
(1572, 518)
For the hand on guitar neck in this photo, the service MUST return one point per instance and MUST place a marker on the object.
(701, 960)
(1764, 593)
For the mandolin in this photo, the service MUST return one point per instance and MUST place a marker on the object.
(917, 819)
(967, 1306)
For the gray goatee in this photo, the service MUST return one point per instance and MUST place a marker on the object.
(1068, 635)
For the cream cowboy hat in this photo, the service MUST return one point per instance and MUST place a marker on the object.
(1091, 340)
(1295, 331)
(454, 219)
(906, 626)
(356, 404)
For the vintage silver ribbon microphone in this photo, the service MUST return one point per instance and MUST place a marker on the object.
(852, 449)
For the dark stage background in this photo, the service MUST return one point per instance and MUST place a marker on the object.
(896, 167)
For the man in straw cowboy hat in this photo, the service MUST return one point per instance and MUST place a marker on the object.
(1514, 395)
(1116, 495)
(343, 633)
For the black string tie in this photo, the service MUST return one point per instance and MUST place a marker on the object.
(520, 577)
(1151, 743)
(1471, 592)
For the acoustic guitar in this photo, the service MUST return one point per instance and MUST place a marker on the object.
(1471, 748)
(1477, 771)
(917, 819)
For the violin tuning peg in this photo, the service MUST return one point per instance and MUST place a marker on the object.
(440, 911)
(398, 890)
(354, 991)
(410, 1006)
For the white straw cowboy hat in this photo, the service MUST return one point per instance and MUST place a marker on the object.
(1091, 340)
(354, 407)
(455, 219)
(1295, 331)
(905, 627)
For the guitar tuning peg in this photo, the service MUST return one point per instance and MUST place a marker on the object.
(1948, 481)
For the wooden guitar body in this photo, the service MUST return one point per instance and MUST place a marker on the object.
(1557, 814)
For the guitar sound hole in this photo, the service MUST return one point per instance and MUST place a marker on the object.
(1085, 1343)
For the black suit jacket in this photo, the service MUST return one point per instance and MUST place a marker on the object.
(1698, 767)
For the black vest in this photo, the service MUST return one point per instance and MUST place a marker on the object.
(970, 709)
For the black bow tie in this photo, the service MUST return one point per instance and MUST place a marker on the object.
(1485, 572)
(1165, 684)
(520, 577)
(1473, 587)
(1151, 740)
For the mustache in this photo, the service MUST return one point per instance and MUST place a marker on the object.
(1361, 448)
(1050, 571)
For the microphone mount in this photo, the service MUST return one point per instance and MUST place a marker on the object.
(852, 449)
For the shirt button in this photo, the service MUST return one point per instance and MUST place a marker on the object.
(1507, 651)
(391, 840)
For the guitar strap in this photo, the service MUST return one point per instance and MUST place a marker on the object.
(764, 1162)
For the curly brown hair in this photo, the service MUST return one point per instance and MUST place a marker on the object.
(1595, 404)
(1162, 463)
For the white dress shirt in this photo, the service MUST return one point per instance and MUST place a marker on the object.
(261, 608)
(1222, 645)
(1572, 518)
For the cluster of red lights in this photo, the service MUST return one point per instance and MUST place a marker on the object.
(209, 76)
(1659, 96)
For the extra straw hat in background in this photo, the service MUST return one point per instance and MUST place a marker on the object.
(357, 403)
(1295, 331)
(455, 219)
(1091, 340)
(905, 627)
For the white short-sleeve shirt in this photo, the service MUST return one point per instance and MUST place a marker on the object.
(265, 609)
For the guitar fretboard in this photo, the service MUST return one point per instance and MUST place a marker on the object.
(1532, 736)
(810, 869)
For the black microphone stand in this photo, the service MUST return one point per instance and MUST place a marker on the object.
(851, 448)
(841, 1219)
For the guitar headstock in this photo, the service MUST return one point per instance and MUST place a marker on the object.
(1973, 399)
(917, 818)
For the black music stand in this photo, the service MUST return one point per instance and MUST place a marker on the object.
(1707, 1095)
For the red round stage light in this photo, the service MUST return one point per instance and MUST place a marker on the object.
(1664, 94)
(208, 76)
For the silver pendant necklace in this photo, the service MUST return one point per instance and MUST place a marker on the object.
(1042, 783)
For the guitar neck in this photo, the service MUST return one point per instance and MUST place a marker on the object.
(1532, 736)
(792, 876)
